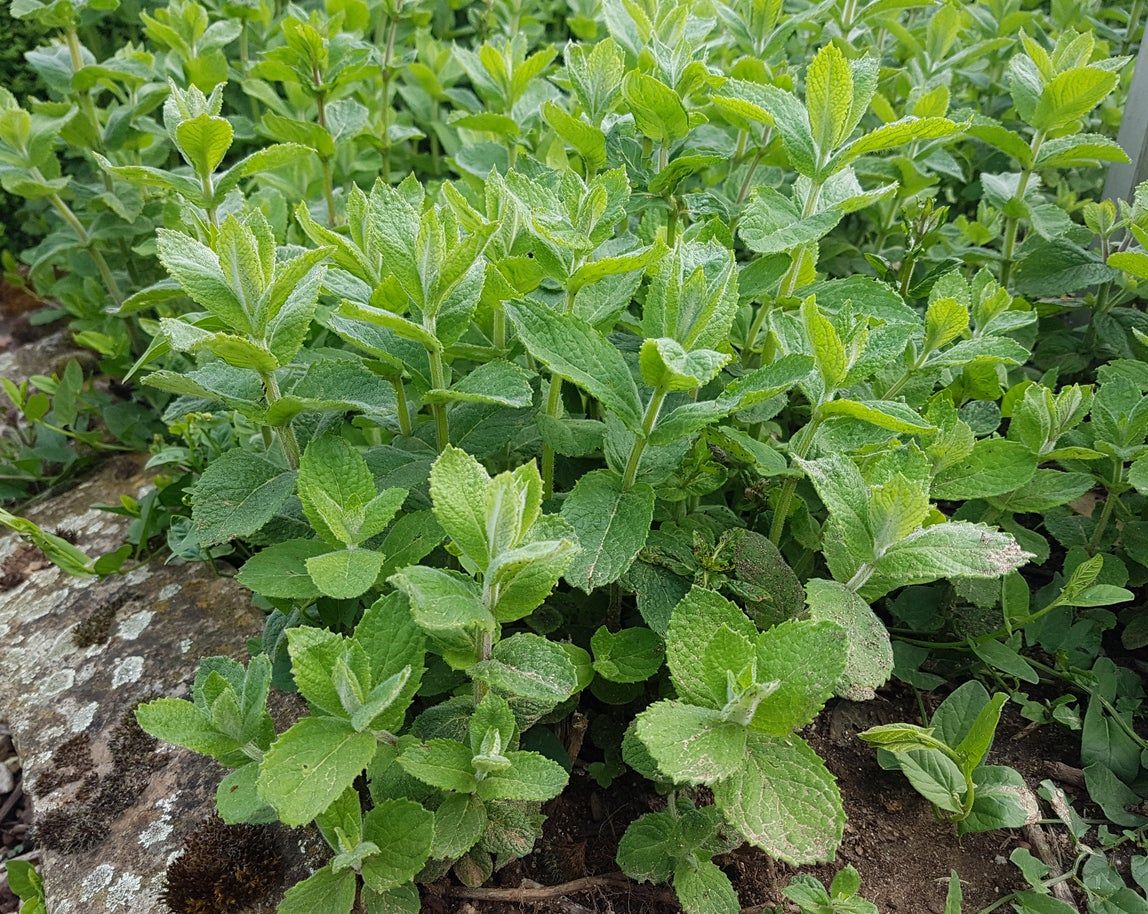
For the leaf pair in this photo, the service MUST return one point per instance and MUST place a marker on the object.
(741, 694)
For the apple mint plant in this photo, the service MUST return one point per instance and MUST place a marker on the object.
(599, 392)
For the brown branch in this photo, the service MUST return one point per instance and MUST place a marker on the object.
(1046, 851)
(1066, 774)
(542, 893)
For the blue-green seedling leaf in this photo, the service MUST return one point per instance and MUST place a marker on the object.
(1001, 799)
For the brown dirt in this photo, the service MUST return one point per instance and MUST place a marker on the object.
(16, 308)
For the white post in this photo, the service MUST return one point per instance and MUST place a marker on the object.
(1122, 179)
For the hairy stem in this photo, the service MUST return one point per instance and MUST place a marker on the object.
(286, 432)
(1012, 224)
(800, 449)
(649, 420)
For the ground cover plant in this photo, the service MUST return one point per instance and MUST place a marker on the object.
(658, 371)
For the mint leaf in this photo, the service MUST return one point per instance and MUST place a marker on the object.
(868, 649)
(324, 890)
(345, 573)
(782, 800)
(807, 659)
(694, 621)
(310, 765)
(403, 831)
(702, 888)
(236, 495)
(631, 655)
(611, 524)
(691, 745)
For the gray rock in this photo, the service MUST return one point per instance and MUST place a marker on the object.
(112, 807)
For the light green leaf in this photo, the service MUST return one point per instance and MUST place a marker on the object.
(1071, 94)
(995, 466)
(499, 383)
(458, 824)
(574, 350)
(829, 98)
(869, 651)
(783, 800)
(442, 763)
(530, 777)
(324, 890)
(310, 765)
(649, 848)
(631, 655)
(892, 415)
(702, 888)
(236, 495)
(691, 745)
(693, 623)
(611, 524)
(665, 364)
(458, 487)
(345, 573)
(807, 659)
(280, 571)
(658, 112)
(403, 831)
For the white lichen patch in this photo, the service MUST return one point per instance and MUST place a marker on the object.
(133, 626)
(185, 645)
(99, 879)
(130, 669)
(59, 682)
(137, 575)
(123, 893)
(169, 591)
(157, 832)
(83, 718)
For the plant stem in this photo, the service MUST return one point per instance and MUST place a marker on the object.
(325, 162)
(85, 240)
(286, 432)
(402, 406)
(388, 56)
(1106, 512)
(438, 410)
(554, 407)
(649, 420)
(85, 97)
(1012, 224)
(789, 284)
(800, 449)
